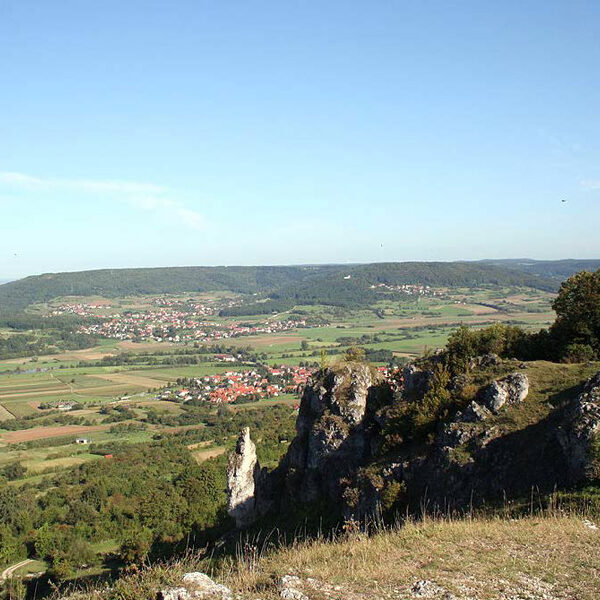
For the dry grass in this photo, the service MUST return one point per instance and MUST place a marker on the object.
(537, 558)
(534, 558)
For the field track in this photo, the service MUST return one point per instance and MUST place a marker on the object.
(8, 572)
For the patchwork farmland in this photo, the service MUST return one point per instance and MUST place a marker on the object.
(127, 390)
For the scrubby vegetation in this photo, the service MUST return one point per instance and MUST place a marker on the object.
(148, 500)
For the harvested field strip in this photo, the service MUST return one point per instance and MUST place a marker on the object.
(268, 340)
(64, 462)
(19, 409)
(45, 392)
(479, 309)
(201, 455)
(11, 384)
(180, 428)
(84, 381)
(199, 445)
(5, 414)
(129, 379)
(51, 385)
(160, 404)
(104, 390)
(38, 433)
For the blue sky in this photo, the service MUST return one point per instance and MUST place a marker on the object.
(247, 132)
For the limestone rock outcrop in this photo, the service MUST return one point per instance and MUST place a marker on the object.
(196, 586)
(485, 360)
(511, 389)
(579, 434)
(473, 413)
(338, 461)
(415, 380)
(335, 428)
(242, 473)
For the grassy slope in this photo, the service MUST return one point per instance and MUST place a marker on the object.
(535, 558)
(469, 558)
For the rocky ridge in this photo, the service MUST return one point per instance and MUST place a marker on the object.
(336, 457)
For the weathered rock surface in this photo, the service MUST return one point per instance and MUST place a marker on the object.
(242, 472)
(334, 430)
(456, 434)
(511, 389)
(580, 430)
(195, 586)
(485, 360)
(473, 413)
(335, 427)
(416, 380)
(290, 588)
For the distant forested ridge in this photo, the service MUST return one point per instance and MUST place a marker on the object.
(553, 269)
(160, 280)
(327, 284)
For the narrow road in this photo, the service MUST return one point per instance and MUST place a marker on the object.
(8, 572)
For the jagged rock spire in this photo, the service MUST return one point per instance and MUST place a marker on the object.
(242, 470)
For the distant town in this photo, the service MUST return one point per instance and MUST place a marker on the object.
(237, 386)
(410, 289)
(244, 386)
(171, 321)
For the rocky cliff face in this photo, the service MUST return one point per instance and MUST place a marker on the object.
(334, 431)
(338, 459)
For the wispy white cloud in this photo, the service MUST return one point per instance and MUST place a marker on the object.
(143, 196)
(590, 184)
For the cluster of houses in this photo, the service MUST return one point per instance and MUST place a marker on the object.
(180, 324)
(228, 387)
(410, 289)
(62, 405)
(204, 308)
(254, 384)
(80, 309)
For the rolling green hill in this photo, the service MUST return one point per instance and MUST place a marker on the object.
(121, 282)
(329, 284)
